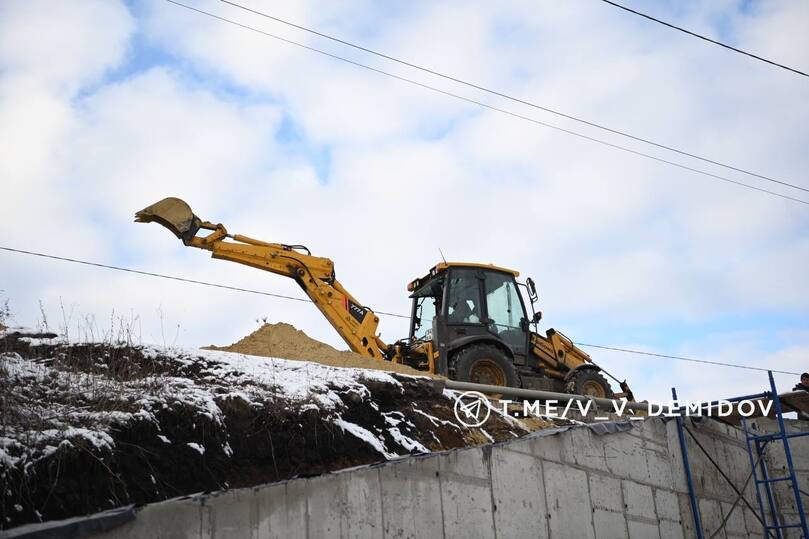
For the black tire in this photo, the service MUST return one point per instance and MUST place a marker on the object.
(587, 382)
(484, 364)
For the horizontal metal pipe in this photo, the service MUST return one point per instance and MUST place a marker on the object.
(540, 395)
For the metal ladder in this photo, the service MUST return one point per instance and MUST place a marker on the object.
(758, 442)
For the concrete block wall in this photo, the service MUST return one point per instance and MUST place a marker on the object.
(574, 484)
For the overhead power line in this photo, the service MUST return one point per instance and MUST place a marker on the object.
(512, 98)
(292, 298)
(681, 358)
(172, 277)
(151, 274)
(704, 38)
(491, 107)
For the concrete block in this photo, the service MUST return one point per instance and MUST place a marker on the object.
(784, 496)
(626, 456)
(671, 530)
(711, 514)
(231, 514)
(666, 505)
(345, 505)
(653, 430)
(776, 458)
(207, 529)
(800, 452)
(799, 446)
(466, 495)
(172, 519)
(713, 436)
(472, 462)
(282, 510)
(638, 500)
(363, 516)
(708, 482)
(735, 524)
(605, 493)
(792, 533)
(686, 517)
(659, 466)
(642, 530)
(519, 495)
(609, 525)
(752, 524)
(411, 496)
(569, 509)
(326, 500)
(582, 447)
(735, 463)
(675, 458)
(803, 480)
(544, 447)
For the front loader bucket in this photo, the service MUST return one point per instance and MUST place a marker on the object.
(173, 214)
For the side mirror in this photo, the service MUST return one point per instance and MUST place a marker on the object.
(537, 317)
(532, 289)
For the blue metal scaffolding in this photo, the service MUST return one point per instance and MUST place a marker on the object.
(757, 444)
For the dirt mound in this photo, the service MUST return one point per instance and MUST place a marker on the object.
(285, 342)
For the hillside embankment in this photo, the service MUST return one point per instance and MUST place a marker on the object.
(88, 426)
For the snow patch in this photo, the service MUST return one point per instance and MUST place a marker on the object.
(366, 436)
(406, 442)
(196, 447)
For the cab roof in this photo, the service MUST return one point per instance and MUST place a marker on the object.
(444, 266)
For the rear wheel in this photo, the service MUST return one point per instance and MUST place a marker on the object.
(591, 383)
(485, 364)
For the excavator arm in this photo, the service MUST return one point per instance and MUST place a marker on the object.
(356, 324)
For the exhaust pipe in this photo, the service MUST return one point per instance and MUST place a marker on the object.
(174, 214)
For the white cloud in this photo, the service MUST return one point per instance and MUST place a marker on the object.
(62, 45)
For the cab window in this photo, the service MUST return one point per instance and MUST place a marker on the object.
(463, 300)
(505, 309)
(425, 310)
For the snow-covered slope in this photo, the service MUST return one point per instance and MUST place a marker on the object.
(88, 426)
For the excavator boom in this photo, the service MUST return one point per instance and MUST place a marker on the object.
(356, 324)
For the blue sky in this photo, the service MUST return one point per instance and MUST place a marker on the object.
(106, 107)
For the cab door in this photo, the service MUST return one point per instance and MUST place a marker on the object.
(505, 312)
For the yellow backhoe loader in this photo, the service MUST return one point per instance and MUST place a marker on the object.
(468, 321)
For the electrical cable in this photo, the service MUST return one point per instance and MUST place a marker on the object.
(511, 98)
(689, 32)
(682, 358)
(491, 107)
(173, 277)
(281, 296)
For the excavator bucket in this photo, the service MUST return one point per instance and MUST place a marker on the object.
(173, 214)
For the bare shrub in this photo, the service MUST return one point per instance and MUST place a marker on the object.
(5, 311)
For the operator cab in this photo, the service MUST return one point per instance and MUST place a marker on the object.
(458, 304)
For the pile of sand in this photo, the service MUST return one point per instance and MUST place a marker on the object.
(284, 341)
